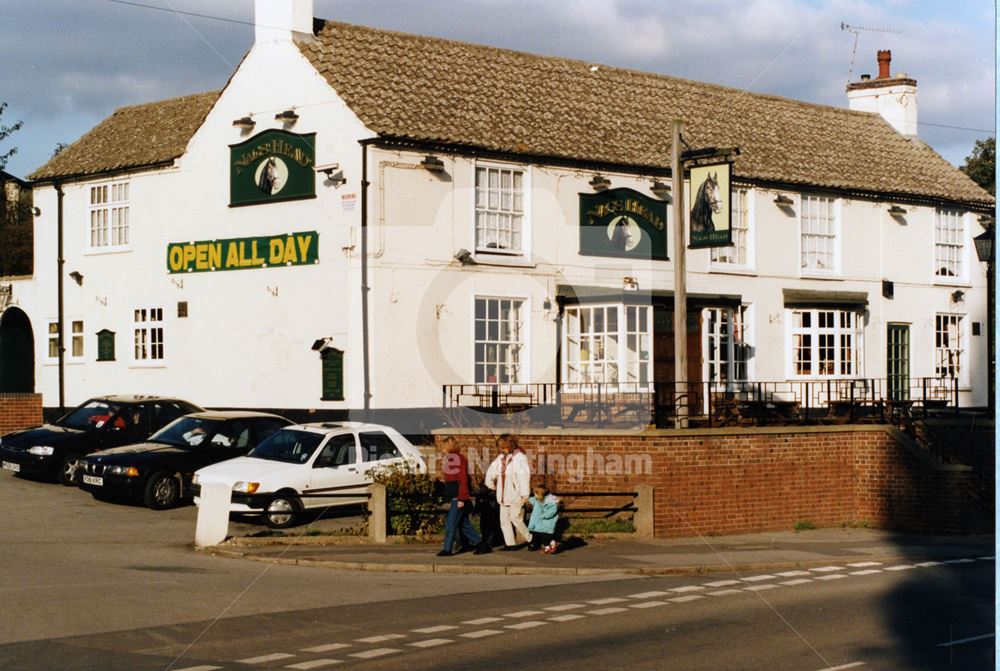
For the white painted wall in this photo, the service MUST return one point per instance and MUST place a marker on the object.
(243, 346)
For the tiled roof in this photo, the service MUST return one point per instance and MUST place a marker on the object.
(133, 137)
(435, 90)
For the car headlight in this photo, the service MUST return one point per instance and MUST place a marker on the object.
(127, 471)
(195, 480)
(246, 487)
(41, 450)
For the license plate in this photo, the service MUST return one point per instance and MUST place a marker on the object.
(15, 468)
(91, 480)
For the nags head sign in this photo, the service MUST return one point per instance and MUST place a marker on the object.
(623, 222)
(272, 166)
(289, 249)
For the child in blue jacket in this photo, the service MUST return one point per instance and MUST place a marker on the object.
(544, 517)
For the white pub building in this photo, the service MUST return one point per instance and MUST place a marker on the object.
(364, 221)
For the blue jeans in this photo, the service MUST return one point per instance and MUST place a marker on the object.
(459, 517)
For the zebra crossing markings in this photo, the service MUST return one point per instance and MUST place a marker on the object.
(530, 624)
(607, 611)
(722, 583)
(866, 571)
(900, 567)
(648, 604)
(603, 602)
(760, 588)
(273, 657)
(314, 664)
(482, 633)
(375, 652)
(327, 648)
(565, 606)
(434, 630)
(865, 564)
(831, 576)
(483, 620)
(758, 578)
(827, 569)
(566, 618)
(524, 613)
(796, 581)
(725, 592)
(684, 599)
(646, 595)
(793, 574)
(203, 667)
(431, 642)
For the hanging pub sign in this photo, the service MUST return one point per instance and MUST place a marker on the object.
(287, 249)
(710, 199)
(272, 166)
(623, 222)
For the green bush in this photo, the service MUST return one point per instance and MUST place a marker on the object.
(804, 525)
(411, 505)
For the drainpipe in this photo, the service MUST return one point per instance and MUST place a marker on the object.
(364, 279)
(60, 262)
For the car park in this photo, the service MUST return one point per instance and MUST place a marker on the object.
(158, 472)
(54, 450)
(293, 469)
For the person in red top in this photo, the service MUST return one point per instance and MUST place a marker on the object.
(456, 486)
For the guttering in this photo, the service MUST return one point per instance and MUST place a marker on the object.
(365, 354)
(104, 174)
(982, 207)
(60, 262)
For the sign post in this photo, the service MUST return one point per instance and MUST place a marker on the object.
(680, 284)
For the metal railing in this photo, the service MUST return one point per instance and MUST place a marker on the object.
(746, 403)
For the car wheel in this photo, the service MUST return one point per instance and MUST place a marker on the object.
(162, 491)
(69, 471)
(282, 511)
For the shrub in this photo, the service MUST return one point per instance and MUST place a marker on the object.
(804, 525)
(411, 505)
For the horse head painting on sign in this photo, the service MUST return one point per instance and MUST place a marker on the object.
(706, 203)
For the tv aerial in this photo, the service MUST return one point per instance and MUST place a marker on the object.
(857, 30)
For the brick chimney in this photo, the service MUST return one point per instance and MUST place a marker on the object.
(282, 20)
(892, 97)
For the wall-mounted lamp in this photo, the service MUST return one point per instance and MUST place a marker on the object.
(244, 123)
(897, 211)
(783, 201)
(547, 304)
(599, 183)
(321, 344)
(464, 256)
(37, 211)
(661, 190)
(432, 163)
(957, 296)
(333, 173)
(630, 284)
(77, 277)
(288, 116)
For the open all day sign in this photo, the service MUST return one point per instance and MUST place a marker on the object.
(290, 249)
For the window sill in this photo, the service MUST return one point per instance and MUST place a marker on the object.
(509, 260)
(732, 269)
(820, 275)
(952, 282)
(111, 250)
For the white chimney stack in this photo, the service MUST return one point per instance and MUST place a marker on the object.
(282, 20)
(893, 97)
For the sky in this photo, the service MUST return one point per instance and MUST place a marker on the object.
(68, 64)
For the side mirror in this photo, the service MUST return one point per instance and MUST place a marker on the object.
(323, 462)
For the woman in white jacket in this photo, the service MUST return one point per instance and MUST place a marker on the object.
(510, 476)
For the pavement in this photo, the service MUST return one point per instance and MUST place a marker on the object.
(620, 554)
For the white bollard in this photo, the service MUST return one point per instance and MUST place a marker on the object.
(213, 514)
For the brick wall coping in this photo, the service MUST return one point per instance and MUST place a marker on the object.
(19, 395)
(931, 460)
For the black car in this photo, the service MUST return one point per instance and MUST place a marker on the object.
(55, 450)
(158, 472)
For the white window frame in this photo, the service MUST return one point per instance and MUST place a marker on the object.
(725, 345)
(523, 350)
(836, 207)
(52, 341)
(953, 248)
(486, 254)
(148, 326)
(856, 331)
(108, 224)
(627, 362)
(954, 355)
(744, 207)
(70, 337)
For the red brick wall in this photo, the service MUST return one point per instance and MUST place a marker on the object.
(716, 482)
(19, 411)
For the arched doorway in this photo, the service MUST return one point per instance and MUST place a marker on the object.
(17, 353)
